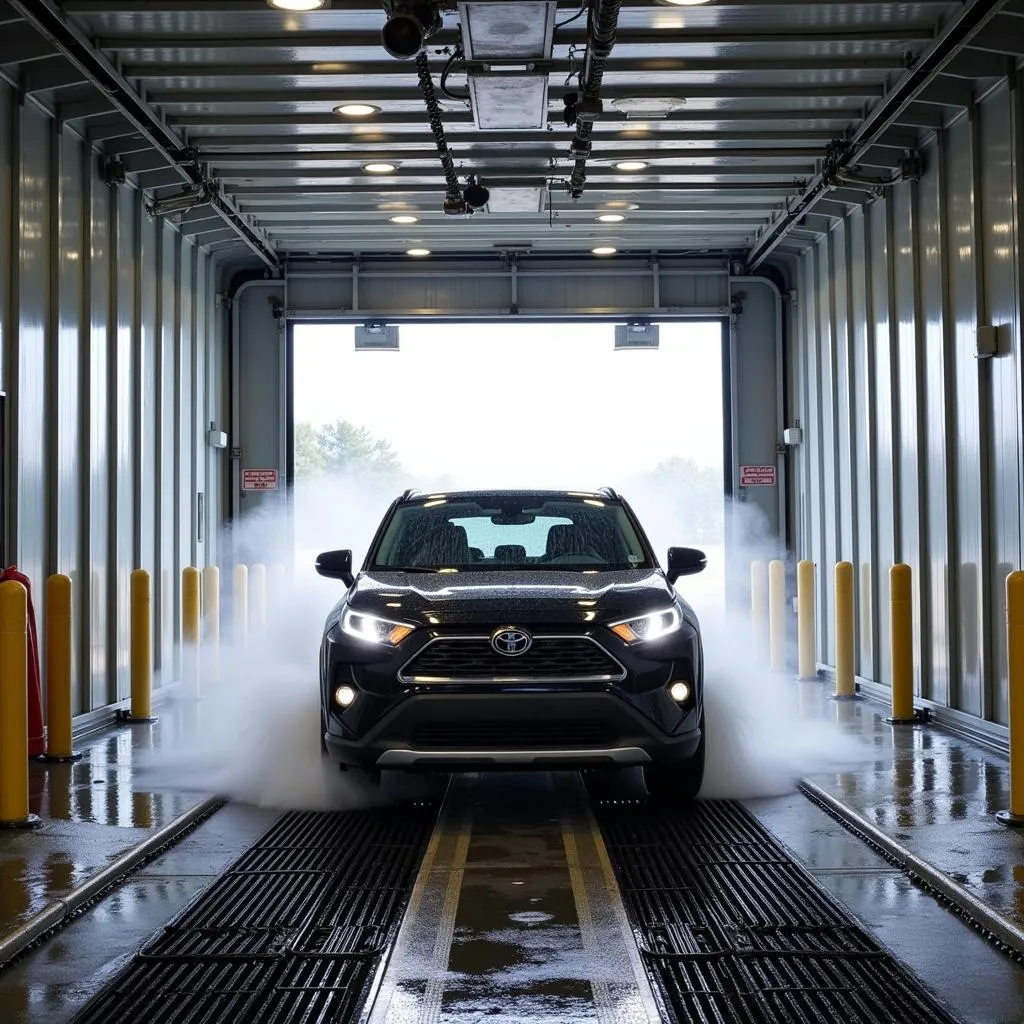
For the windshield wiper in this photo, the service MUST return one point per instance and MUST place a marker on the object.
(403, 568)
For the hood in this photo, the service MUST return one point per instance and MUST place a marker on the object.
(521, 597)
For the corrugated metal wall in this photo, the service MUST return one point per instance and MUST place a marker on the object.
(106, 357)
(913, 445)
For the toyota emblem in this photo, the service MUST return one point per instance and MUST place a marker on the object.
(510, 641)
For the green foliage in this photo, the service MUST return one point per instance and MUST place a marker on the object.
(343, 447)
(691, 496)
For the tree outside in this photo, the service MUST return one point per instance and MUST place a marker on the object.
(343, 447)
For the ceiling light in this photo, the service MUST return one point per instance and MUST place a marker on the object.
(417, 252)
(356, 110)
(630, 165)
(620, 204)
(404, 218)
(297, 5)
(611, 218)
(378, 168)
(604, 250)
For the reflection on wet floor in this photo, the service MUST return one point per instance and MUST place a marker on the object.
(515, 917)
(937, 795)
(92, 810)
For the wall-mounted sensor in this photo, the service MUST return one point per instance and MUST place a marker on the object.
(216, 438)
(987, 342)
(793, 435)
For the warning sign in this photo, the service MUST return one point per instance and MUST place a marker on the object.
(757, 476)
(259, 479)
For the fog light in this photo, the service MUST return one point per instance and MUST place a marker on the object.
(679, 692)
(344, 695)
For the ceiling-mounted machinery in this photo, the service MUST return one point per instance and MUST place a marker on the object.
(507, 52)
(410, 23)
(188, 199)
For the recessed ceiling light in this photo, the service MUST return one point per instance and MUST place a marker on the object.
(404, 218)
(357, 110)
(604, 250)
(648, 106)
(630, 165)
(297, 5)
(417, 252)
(380, 168)
(611, 218)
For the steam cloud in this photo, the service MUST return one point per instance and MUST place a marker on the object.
(254, 737)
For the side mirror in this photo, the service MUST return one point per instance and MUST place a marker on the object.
(336, 565)
(685, 562)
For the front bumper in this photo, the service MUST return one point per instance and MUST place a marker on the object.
(445, 731)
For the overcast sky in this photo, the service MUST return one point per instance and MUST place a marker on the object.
(520, 404)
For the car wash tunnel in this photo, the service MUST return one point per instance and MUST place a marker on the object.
(511, 510)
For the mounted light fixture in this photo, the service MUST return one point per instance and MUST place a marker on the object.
(417, 252)
(611, 218)
(298, 5)
(379, 168)
(410, 24)
(403, 218)
(604, 250)
(199, 195)
(356, 110)
(475, 194)
(631, 165)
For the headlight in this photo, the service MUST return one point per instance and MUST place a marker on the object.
(373, 629)
(648, 627)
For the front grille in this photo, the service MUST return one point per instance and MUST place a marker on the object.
(512, 734)
(551, 658)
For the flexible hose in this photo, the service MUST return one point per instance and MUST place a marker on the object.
(453, 192)
(601, 25)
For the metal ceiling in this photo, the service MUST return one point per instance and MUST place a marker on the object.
(792, 109)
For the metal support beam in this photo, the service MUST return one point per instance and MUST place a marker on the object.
(674, 42)
(48, 20)
(961, 29)
(54, 73)
(399, 94)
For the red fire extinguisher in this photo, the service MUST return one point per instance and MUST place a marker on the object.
(36, 732)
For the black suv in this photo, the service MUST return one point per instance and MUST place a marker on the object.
(514, 629)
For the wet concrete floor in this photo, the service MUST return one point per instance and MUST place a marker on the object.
(93, 810)
(516, 914)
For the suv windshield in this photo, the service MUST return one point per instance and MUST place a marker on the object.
(511, 532)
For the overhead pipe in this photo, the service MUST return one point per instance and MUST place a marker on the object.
(602, 22)
(48, 20)
(972, 17)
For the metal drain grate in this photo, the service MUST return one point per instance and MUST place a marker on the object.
(734, 931)
(292, 933)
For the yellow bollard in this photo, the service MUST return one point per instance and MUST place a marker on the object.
(141, 649)
(240, 606)
(759, 608)
(777, 614)
(807, 667)
(58, 670)
(901, 636)
(190, 632)
(211, 619)
(258, 600)
(14, 811)
(1015, 676)
(845, 685)
(211, 605)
